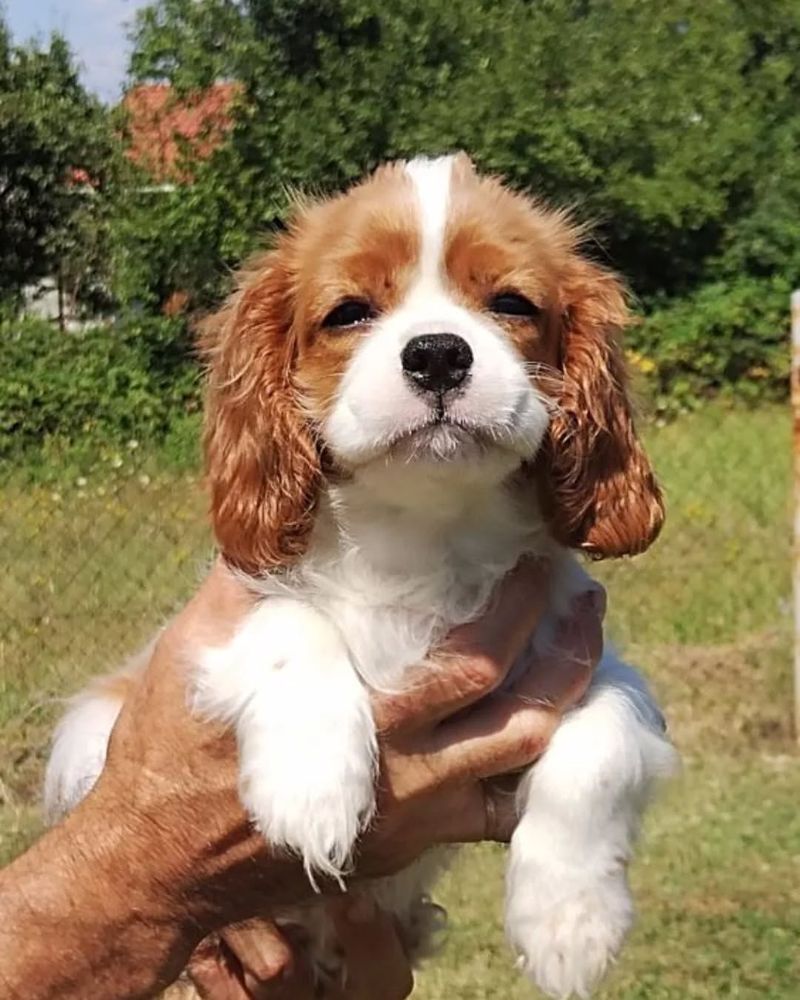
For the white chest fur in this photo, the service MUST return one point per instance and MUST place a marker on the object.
(392, 574)
(387, 574)
(395, 562)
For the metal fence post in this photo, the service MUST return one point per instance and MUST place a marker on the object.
(796, 548)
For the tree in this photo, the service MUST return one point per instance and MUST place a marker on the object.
(56, 157)
(663, 122)
(191, 43)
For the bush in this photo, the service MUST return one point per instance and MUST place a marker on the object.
(131, 380)
(728, 337)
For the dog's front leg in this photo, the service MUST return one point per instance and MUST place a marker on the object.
(305, 730)
(568, 905)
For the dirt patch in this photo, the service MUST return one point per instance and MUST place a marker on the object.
(733, 697)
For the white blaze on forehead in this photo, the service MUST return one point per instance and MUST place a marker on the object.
(376, 406)
(431, 179)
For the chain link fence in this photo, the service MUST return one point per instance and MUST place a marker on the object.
(94, 563)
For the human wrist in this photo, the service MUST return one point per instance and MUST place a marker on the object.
(136, 860)
(133, 858)
(203, 864)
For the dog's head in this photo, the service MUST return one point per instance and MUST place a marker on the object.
(428, 315)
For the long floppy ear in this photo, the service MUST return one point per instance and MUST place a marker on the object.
(261, 460)
(601, 493)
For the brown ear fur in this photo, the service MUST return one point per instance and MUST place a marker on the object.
(604, 497)
(261, 459)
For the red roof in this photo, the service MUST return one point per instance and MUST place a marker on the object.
(77, 177)
(161, 124)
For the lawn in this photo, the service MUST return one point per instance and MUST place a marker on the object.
(97, 564)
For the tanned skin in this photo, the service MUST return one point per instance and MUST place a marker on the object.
(160, 858)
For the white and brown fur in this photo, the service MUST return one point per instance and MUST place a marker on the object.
(371, 518)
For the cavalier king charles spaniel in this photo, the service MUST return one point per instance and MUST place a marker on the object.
(418, 384)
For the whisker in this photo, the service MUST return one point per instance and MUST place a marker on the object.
(543, 370)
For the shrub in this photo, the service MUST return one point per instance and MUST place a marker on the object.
(727, 338)
(130, 380)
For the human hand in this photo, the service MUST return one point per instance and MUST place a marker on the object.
(174, 776)
(257, 961)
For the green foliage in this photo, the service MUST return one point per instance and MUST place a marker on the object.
(192, 43)
(169, 241)
(726, 338)
(657, 130)
(133, 380)
(56, 160)
(675, 129)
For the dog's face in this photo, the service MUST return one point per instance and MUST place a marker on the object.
(428, 315)
(423, 326)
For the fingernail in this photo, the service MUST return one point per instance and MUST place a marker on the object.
(593, 600)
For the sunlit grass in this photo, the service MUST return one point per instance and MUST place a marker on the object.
(94, 567)
(717, 889)
(720, 570)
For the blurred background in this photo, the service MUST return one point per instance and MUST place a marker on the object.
(145, 149)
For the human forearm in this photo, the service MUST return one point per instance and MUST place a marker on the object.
(109, 932)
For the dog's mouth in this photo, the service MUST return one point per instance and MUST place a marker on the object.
(441, 438)
(445, 434)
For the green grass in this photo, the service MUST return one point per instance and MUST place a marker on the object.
(98, 563)
(716, 884)
(706, 613)
(720, 571)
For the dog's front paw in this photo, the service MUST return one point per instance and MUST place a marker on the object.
(567, 927)
(314, 812)
(307, 745)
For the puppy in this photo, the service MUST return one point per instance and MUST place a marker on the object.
(417, 385)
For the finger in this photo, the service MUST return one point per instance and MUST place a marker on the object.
(512, 729)
(501, 813)
(475, 658)
(480, 810)
(500, 809)
(505, 734)
(214, 974)
(505, 627)
(559, 676)
(264, 956)
(373, 953)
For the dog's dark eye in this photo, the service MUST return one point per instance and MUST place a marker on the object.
(351, 312)
(513, 304)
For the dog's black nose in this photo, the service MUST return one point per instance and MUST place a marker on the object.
(436, 362)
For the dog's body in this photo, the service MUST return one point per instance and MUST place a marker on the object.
(367, 540)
